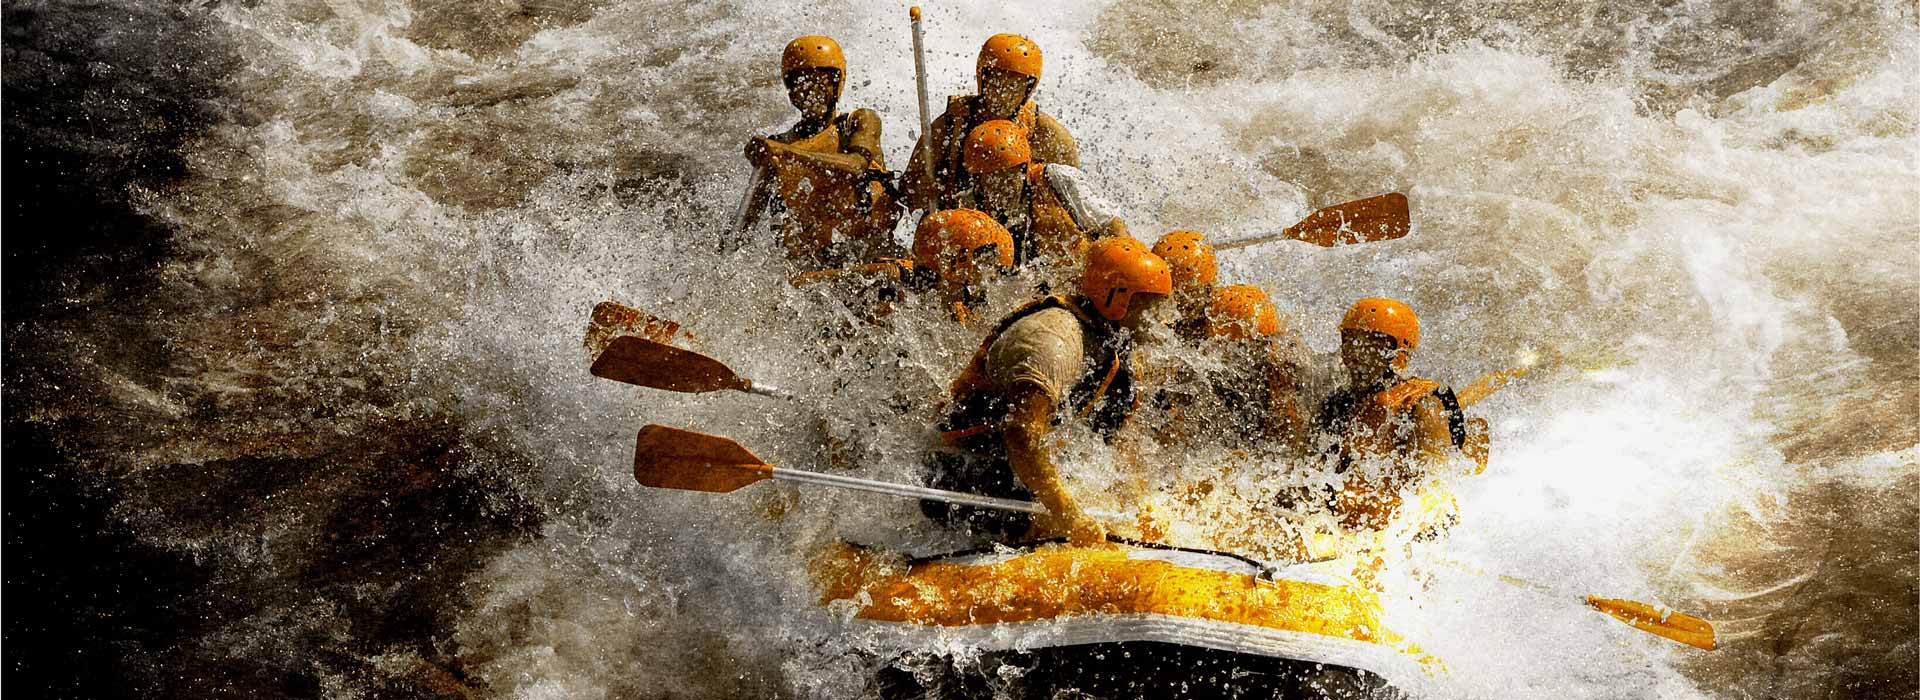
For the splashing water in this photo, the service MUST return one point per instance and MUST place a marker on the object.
(1699, 219)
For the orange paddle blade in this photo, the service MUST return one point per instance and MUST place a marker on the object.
(1679, 627)
(671, 458)
(656, 365)
(612, 320)
(1381, 218)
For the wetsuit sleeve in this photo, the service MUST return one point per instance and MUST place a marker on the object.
(863, 137)
(1285, 422)
(1090, 211)
(1044, 350)
(1433, 434)
(1052, 144)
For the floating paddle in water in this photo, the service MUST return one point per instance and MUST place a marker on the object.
(655, 365)
(1381, 218)
(1652, 619)
(1680, 627)
(671, 458)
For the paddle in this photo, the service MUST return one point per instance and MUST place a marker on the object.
(1680, 627)
(655, 365)
(1381, 218)
(671, 458)
(611, 320)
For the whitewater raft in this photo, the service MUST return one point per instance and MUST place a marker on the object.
(1131, 620)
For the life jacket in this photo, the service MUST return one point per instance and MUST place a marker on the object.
(830, 217)
(1104, 397)
(951, 170)
(1049, 230)
(828, 140)
(1377, 426)
(974, 457)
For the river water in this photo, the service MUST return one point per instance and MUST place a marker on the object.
(367, 420)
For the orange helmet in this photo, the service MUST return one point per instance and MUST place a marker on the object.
(996, 146)
(1242, 312)
(809, 52)
(1191, 258)
(1010, 52)
(1117, 268)
(946, 240)
(1387, 316)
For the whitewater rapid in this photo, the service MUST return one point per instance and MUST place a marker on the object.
(1698, 222)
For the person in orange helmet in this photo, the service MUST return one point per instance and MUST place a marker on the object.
(1051, 210)
(825, 178)
(956, 253)
(1254, 401)
(1261, 387)
(1007, 74)
(1056, 359)
(1387, 430)
(1195, 272)
(1248, 395)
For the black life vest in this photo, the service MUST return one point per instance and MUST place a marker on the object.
(1336, 415)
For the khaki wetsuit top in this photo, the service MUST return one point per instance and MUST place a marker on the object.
(1047, 349)
(1053, 345)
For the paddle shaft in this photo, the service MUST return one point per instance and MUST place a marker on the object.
(920, 80)
(1487, 384)
(1516, 582)
(904, 491)
(1249, 242)
(888, 488)
(746, 207)
(770, 392)
(1287, 235)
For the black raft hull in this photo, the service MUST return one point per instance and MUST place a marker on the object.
(1136, 669)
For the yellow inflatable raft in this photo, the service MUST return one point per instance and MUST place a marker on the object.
(1133, 620)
